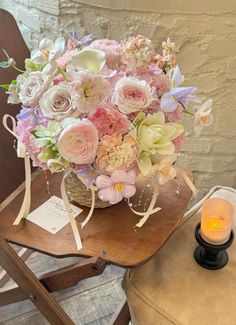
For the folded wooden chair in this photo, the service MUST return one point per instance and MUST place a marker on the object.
(109, 237)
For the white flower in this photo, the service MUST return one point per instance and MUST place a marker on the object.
(33, 87)
(203, 117)
(166, 170)
(59, 102)
(90, 87)
(132, 95)
(14, 90)
(91, 59)
(48, 52)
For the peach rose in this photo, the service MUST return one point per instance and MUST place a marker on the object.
(78, 142)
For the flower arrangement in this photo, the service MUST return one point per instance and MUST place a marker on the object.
(106, 110)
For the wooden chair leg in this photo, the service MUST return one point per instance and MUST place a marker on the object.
(122, 315)
(31, 286)
(56, 280)
(24, 254)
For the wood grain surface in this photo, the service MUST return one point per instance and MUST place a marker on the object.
(111, 232)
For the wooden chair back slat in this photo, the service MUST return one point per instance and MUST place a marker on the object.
(11, 167)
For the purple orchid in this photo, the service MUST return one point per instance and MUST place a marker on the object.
(183, 95)
(75, 38)
(87, 174)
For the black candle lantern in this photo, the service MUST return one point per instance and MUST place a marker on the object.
(211, 256)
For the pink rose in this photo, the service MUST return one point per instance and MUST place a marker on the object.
(111, 48)
(78, 142)
(132, 95)
(109, 121)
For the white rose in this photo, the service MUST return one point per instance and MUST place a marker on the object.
(60, 101)
(132, 95)
(33, 87)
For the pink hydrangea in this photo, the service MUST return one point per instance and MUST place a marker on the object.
(65, 60)
(111, 48)
(109, 121)
(25, 126)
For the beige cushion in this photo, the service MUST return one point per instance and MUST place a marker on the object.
(173, 289)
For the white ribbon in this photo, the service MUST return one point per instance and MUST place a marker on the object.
(69, 212)
(25, 207)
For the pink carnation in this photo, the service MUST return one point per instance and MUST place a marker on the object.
(111, 48)
(109, 121)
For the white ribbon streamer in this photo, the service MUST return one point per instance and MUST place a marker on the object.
(25, 207)
(69, 212)
(151, 209)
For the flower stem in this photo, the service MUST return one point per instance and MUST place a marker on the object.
(17, 69)
(188, 112)
(62, 72)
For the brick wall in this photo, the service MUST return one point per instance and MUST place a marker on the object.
(206, 37)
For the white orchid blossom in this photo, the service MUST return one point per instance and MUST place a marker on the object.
(203, 117)
(90, 59)
(48, 52)
(166, 170)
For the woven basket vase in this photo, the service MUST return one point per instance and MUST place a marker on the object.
(77, 192)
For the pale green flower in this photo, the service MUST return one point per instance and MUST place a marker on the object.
(154, 136)
(57, 165)
(47, 134)
(91, 59)
(49, 152)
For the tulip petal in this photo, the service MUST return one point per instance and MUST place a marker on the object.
(90, 59)
(57, 50)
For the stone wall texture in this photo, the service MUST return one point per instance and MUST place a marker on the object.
(205, 32)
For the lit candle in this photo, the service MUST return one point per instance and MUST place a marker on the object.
(216, 222)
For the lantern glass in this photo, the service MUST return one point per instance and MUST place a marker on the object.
(216, 222)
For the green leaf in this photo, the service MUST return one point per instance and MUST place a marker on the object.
(4, 64)
(5, 86)
(34, 133)
(13, 82)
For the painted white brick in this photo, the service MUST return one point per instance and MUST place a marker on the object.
(50, 7)
(197, 144)
(29, 19)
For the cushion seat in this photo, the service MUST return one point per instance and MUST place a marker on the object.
(173, 289)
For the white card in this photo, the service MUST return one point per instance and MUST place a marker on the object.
(51, 215)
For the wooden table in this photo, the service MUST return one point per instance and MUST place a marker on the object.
(111, 232)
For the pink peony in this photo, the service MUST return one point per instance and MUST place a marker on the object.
(109, 121)
(111, 48)
(78, 142)
(120, 185)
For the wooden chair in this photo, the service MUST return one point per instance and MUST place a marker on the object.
(109, 237)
